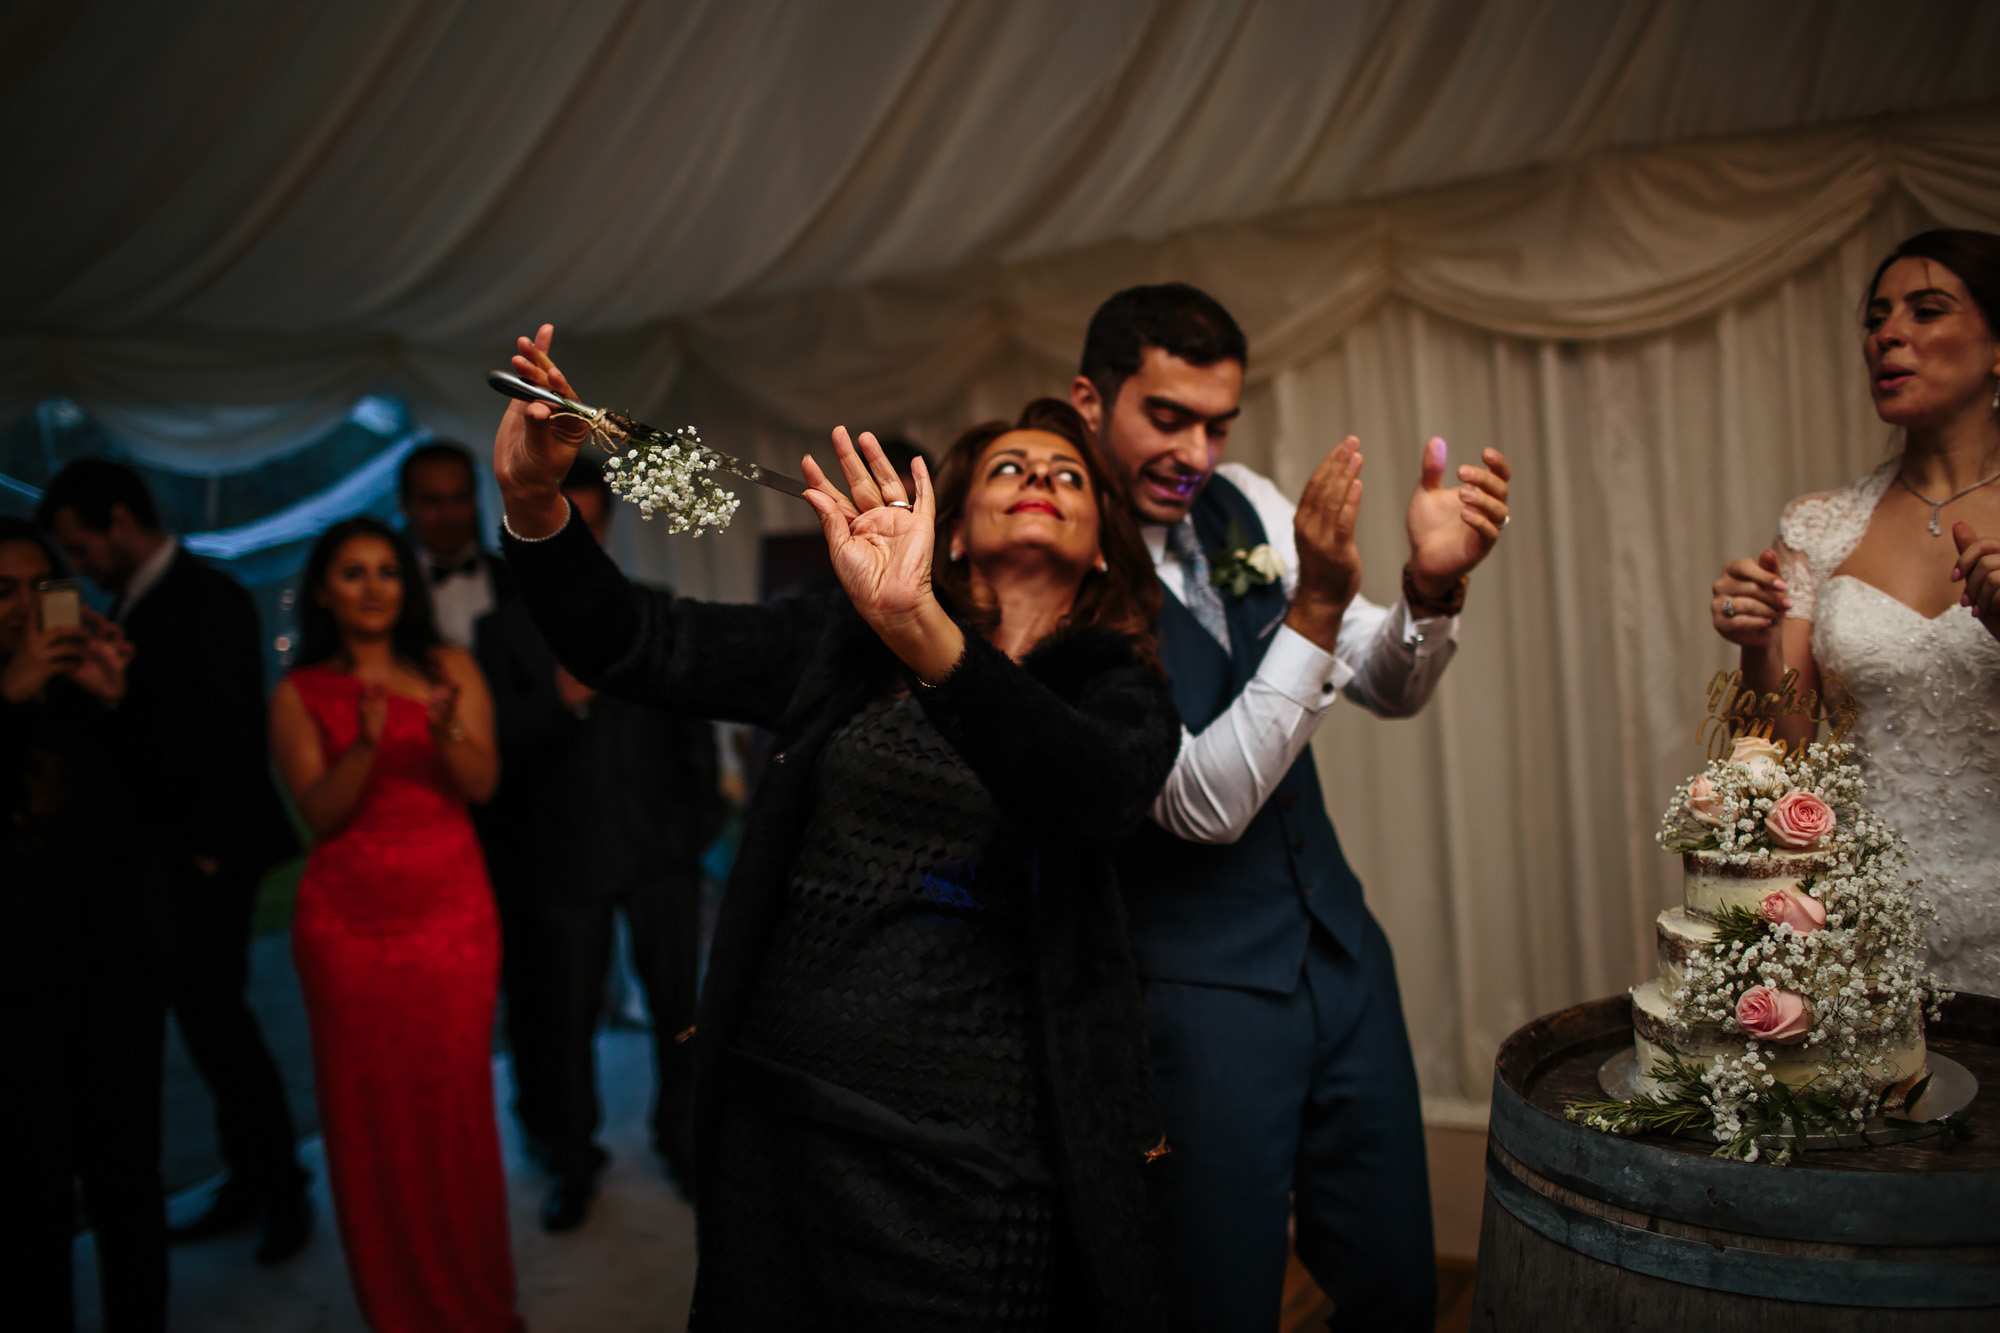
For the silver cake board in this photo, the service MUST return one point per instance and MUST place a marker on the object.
(1951, 1090)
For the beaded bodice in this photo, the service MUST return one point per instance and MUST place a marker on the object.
(1928, 735)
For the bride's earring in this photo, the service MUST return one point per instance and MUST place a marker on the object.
(1996, 395)
(1103, 566)
(956, 555)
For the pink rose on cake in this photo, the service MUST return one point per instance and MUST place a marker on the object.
(1788, 907)
(1762, 760)
(1774, 1015)
(1703, 803)
(1799, 820)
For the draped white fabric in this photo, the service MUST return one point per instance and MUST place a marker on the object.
(1622, 242)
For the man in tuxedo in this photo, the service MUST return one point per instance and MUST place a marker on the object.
(438, 491)
(196, 696)
(616, 803)
(1283, 1066)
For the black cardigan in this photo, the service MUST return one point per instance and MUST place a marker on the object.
(1073, 743)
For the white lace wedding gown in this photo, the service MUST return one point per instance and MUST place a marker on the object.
(1929, 731)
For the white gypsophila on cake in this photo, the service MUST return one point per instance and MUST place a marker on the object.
(1792, 987)
(668, 474)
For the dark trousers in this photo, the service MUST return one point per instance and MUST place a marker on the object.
(575, 954)
(208, 995)
(1301, 1104)
(82, 1102)
(524, 1011)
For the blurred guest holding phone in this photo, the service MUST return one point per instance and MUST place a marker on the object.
(196, 707)
(383, 734)
(82, 1010)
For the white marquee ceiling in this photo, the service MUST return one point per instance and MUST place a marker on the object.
(445, 171)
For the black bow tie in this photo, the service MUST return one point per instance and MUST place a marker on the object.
(439, 573)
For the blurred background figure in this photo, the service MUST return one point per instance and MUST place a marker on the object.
(82, 1011)
(616, 803)
(383, 734)
(438, 491)
(195, 704)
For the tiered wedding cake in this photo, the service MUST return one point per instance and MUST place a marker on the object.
(1790, 991)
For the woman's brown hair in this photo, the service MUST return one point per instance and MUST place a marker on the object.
(1124, 597)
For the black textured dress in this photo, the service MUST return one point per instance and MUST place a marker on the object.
(885, 1132)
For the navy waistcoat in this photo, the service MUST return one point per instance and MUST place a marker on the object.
(1236, 914)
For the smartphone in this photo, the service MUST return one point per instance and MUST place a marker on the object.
(62, 604)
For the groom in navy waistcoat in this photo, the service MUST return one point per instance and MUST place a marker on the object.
(1283, 1067)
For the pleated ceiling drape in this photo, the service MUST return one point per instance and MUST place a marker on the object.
(1623, 243)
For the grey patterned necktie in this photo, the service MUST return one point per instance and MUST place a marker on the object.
(1200, 595)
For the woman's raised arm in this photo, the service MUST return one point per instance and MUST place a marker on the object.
(737, 663)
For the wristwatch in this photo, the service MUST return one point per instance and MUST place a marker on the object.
(1449, 605)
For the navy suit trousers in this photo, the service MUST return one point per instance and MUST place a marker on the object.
(1304, 1102)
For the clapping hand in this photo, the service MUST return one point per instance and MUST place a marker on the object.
(1978, 568)
(1452, 528)
(534, 447)
(880, 541)
(371, 715)
(441, 709)
(1329, 560)
(1748, 603)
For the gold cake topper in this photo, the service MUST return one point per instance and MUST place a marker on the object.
(1735, 712)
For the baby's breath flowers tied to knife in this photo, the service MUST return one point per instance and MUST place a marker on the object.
(663, 472)
(1238, 566)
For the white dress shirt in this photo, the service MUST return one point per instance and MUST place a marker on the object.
(1384, 659)
(462, 598)
(147, 576)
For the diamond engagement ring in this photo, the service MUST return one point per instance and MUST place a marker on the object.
(1728, 608)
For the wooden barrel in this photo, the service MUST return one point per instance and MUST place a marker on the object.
(1586, 1230)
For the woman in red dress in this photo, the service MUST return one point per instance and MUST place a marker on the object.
(383, 734)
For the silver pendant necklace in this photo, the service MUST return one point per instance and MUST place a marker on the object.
(1936, 505)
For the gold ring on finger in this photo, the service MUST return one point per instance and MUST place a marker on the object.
(1728, 608)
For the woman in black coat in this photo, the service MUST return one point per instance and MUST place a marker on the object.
(921, 1096)
(82, 1013)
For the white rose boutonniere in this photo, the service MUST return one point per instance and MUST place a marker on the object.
(1238, 566)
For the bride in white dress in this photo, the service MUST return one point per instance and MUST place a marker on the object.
(1892, 584)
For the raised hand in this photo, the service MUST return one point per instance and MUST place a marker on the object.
(1453, 528)
(1329, 560)
(106, 651)
(880, 540)
(1747, 604)
(371, 715)
(534, 447)
(1978, 568)
(43, 653)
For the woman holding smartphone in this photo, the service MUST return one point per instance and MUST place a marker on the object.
(81, 1001)
(383, 734)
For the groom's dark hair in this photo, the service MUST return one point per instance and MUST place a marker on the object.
(1180, 320)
